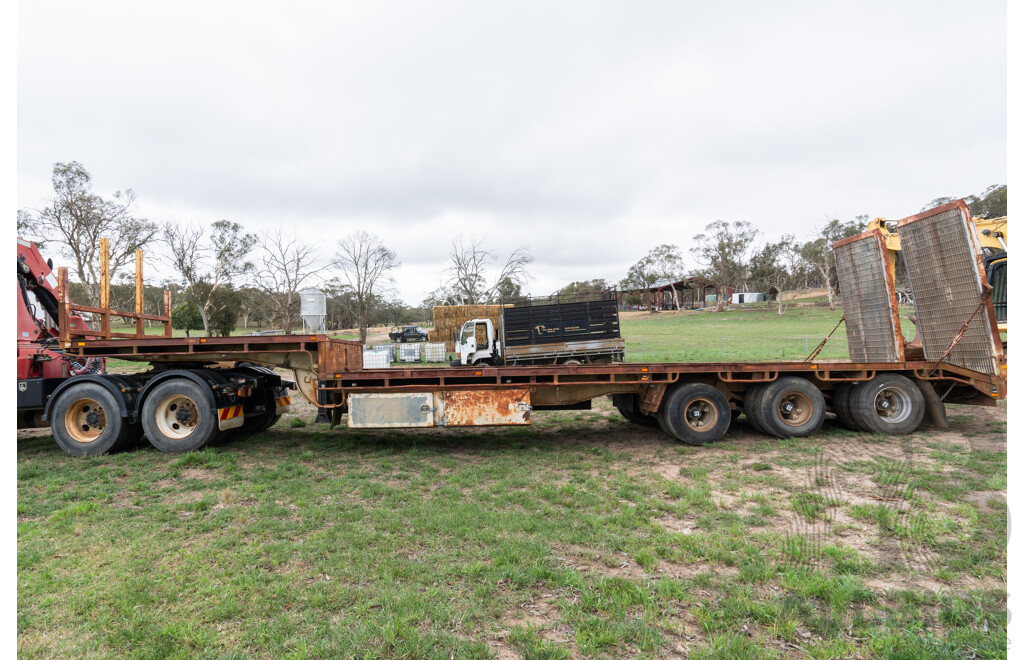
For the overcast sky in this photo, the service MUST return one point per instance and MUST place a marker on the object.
(588, 132)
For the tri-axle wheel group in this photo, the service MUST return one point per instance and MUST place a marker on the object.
(789, 407)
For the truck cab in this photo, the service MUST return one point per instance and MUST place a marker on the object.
(468, 352)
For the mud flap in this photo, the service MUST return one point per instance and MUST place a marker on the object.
(230, 418)
(934, 409)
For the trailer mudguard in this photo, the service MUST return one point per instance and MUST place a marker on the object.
(207, 379)
(124, 388)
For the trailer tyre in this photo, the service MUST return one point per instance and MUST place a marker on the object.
(86, 421)
(791, 408)
(177, 417)
(695, 414)
(751, 407)
(258, 423)
(635, 416)
(841, 406)
(888, 403)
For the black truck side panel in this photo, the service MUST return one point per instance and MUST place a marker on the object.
(561, 322)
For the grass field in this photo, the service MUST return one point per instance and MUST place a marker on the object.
(745, 332)
(582, 536)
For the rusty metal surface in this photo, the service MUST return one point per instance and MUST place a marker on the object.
(486, 407)
(946, 275)
(336, 355)
(869, 298)
(650, 398)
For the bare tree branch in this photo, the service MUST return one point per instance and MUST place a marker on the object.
(77, 219)
(204, 268)
(467, 271)
(364, 260)
(286, 264)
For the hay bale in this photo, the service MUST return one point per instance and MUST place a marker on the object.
(451, 318)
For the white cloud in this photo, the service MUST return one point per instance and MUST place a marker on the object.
(588, 131)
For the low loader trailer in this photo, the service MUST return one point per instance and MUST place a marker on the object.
(200, 388)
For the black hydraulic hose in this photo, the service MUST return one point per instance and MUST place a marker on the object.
(29, 306)
(28, 282)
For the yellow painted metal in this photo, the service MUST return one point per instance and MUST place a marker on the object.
(140, 324)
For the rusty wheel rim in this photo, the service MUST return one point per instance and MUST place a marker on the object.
(701, 415)
(795, 408)
(85, 420)
(177, 416)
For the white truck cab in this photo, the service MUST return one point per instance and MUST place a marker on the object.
(466, 349)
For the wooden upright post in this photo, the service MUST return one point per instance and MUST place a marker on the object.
(105, 287)
(140, 325)
(167, 313)
(62, 307)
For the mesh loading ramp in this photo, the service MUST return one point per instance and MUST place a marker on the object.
(869, 299)
(940, 248)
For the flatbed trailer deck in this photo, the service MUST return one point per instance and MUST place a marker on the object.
(201, 387)
(328, 373)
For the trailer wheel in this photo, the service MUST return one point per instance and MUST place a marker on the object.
(258, 423)
(751, 407)
(695, 414)
(889, 404)
(177, 417)
(575, 361)
(841, 406)
(634, 416)
(86, 421)
(791, 408)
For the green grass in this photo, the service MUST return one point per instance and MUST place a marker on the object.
(746, 332)
(581, 536)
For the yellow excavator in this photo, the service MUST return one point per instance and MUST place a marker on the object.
(992, 239)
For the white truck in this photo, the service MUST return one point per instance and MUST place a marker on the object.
(583, 329)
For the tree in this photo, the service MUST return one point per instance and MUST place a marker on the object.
(586, 286)
(508, 289)
(185, 316)
(441, 296)
(667, 263)
(467, 272)
(641, 276)
(252, 306)
(26, 226)
(722, 252)
(224, 315)
(366, 262)
(286, 264)
(77, 219)
(774, 267)
(818, 251)
(207, 267)
(989, 204)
